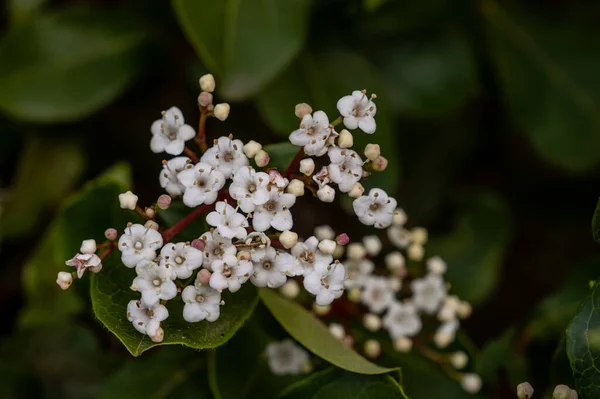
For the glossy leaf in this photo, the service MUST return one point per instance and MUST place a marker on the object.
(339, 384)
(314, 335)
(245, 42)
(281, 155)
(67, 64)
(176, 211)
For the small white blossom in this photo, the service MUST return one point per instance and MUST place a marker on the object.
(64, 280)
(286, 357)
(324, 232)
(215, 248)
(271, 267)
(146, 319)
(307, 166)
(275, 212)
(378, 295)
(402, 320)
(230, 273)
(249, 188)
(181, 258)
(471, 383)
(82, 262)
(322, 177)
(436, 265)
(128, 200)
(326, 282)
(276, 180)
(313, 133)
(372, 245)
(428, 292)
(375, 209)
(154, 281)
(201, 303)
(308, 255)
(358, 111)
(357, 272)
(139, 243)
(356, 250)
(399, 236)
(202, 184)
(228, 222)
(395, 261)
(226, 155)
(168, 177)
(446, 333)
(345, 169)
(170, 133)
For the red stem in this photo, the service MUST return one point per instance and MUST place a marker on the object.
(294, 164)
(184, 222)
(201, 137)
(191, 154)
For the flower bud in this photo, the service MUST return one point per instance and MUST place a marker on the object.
(354, 295)
(459, 360)
(198, 244)
(471, 383)
(151, 224)
(321, 310)
(64, 280)
(356, 251)
(372, 151)
(418, 235)
(524, 390)
(339, 252)
(244, 255)
(159, 336)
(394, 261)
(372, 322)
(342, 239)
(345, 139)
(561, 392)
(327, 246)
(415, 252)
(403, 344)
(221, 111)
(395, 283)
(356, 191)
(443, 338)
(326, 193)
(337, 330)
(399, 217)
(290, 289)
(380, 164)
(88, 247)
(302, 109)
(111, 234)
(128, 200)
(324, 232)
(150, 213)
(205, 99)
(262, 159)
(252, 148)
(203, 276)
(436, 265)
(296, 187)
(307, 166)
(464, 309)
(288, 239)
(372, 348)
(163, 202)
(372, 245)
(207, 83)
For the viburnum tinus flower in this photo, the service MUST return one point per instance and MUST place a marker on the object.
(375, 209)
(377, 294)
(428, 292)
(170, 133)
(154, 281)
(81, 262)
(313, 133)
(202, 184)
(201, 303)
(249, 188)
(286, 357)
(345, 169)
(216, 247)
(275, 212)
(402, 320)
(326, 282)
(271, 267)
(230, 273)
(358, 111)
(308, 255)
(181, 258)
(357, 272)
(146, 319)
(226, 155)
(228, 222)
(139, 243)
(168, 177)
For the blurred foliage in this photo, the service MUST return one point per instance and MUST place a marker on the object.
(487, 113)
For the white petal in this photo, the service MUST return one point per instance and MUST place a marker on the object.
(175, 147)
(261, 221)
(186, 132)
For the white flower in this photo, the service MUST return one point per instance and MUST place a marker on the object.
(359, 111)
(168, 177)
(286, 357)
(139, 243)
(202, 184)
(357, 272)
(81, 262)
(154, 281)
(215, 248)
(230, 273)
(313, 134)
(275, 212)
(378, 294)
(271, 267)
(428, 292)
(181, 258)
(375, 209)
(226, 155)
(399, 236)
(308, 255)
(322, 177)
(146, 319)
(201, 302)
(228, 222)
(249, 188)
(402, 320)
(345, 169)
(326, 282)
(170, 133)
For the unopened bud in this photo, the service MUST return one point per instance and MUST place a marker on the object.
(372, 245)
(356, 191)
(128, 200)
(356, 251)
(418, 235)
(198, 244)
(151, 224)
(203, 277)
(221, 111)
(88, 247)
(471, 383)
(464, 309)
(339, 252)
(324, 232)
(327, 246)
(288, 239)
(372, 348)
(345, 139)
(290, 289)
(163, 202)
(394, 261)
(111, 234)
(252, 148)
(296, 187)
(354, 295)
(302, 109)
(443, 338)
(64, 280)
(436, 265)
(337, 330)
(524, 390)
(205, 99)
(207, 83)
(563, 392)
(262, 159)
(380, 164)
(159, 336)
(395, 283)
(326, 193)
(150, 213)
(307, 166)
(372, 151)
(342, 239)
(321, 310)
(459, 360)
(372, 322)
(403, 344)
(415, 252)
(399, 217)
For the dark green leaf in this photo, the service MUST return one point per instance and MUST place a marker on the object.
(583, 345)
(176, 211)
(495, 355)
(314, 335)
(245, 42)
(67, 64)
(20, 10)
(596, 222)
(281, 155)
(335, 383)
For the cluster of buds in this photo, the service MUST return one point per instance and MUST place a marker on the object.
(525, 391)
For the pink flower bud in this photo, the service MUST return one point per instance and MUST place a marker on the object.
(205, 99)
(198, 244)
(204, 276)
(150, 213)
(380, 163)
(163, 202)
(111, 234)
(342, 239)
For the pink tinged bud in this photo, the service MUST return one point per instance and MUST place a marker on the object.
(163, 202)
(262, 159)
(199, 244)
(204, 276)
(205, 99)
(342, 239)
(524, 390)
(380, 164)
(150, 213)
(111, 234)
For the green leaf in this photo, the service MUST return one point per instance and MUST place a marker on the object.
(110, 295)
(475, 249)
(245, 42)
(281, 155)
(583, 345)
(596, 222)
(495, 355)
(314, 335)
(545, 63)
(335, 383)
(67, 64)
(321, 82)
(176, 211)
(20, 10)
